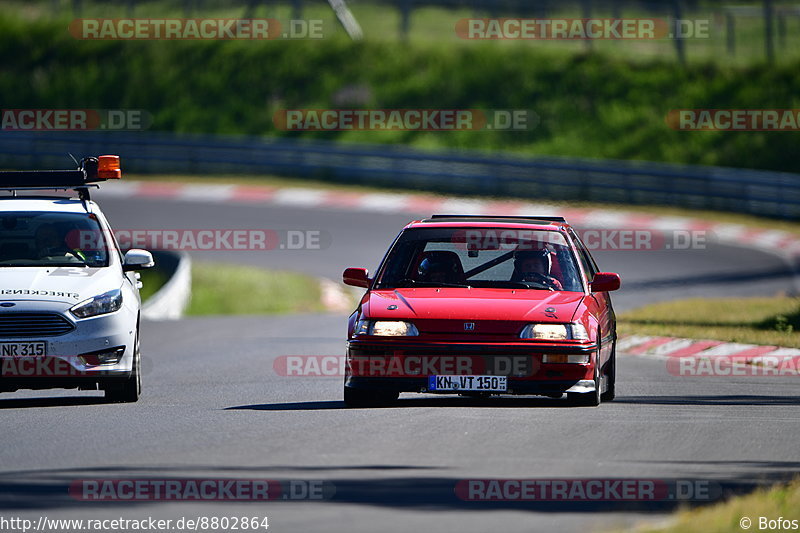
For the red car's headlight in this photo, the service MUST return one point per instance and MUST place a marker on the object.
(386, 328)
(554, 332)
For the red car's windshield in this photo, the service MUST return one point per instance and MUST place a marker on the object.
(481, 257)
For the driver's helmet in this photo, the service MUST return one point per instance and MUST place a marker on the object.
(528, 262)
(439, 267)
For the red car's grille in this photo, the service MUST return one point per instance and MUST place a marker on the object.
(502, 328)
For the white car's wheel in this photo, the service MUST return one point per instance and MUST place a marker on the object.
(132, 387)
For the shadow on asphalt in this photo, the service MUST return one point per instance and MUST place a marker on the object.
(50, 490)
(706, 279)
(527, 402)
(404, 403)
(749, 399)
(55, 401)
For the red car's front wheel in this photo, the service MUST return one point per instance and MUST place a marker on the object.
(611, 376)
(589, 399)
(368, 398)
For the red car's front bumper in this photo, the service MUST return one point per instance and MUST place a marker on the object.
(407, 367)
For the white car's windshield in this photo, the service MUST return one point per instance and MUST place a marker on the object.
(481, 257)
(36, 239)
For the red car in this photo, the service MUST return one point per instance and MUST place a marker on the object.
(483, 305)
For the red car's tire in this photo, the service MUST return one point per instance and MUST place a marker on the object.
(611, 377)
(368, 398)
(588, 399)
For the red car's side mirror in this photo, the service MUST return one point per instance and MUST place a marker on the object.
(357, 277)
(605, 282)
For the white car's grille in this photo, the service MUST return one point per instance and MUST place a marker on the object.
(33, 325)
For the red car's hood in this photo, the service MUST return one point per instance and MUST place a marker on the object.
(474, 304)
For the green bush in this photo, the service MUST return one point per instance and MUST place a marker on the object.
(590, 105)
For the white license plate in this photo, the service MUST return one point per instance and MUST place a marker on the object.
(468, 383)
(23, 349)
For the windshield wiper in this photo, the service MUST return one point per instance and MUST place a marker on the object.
(412, 282)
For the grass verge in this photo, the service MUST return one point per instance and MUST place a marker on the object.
(225, 289)
(769, 503)
(152, 280)
(770, 321)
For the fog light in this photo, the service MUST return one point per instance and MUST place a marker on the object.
(564, 358)
(103, 357)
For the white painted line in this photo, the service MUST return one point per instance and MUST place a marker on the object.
(783, 352)
(671, 346)
(119, 189)
(596, 218)
(299, 196)
(463, 206)
(626, 343)
(771, 239)
(207, 193)
(671, 223)
(385, 202)
(539, 210)
(727, 349)
(729, 232)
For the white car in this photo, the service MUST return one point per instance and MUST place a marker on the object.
(69, 298)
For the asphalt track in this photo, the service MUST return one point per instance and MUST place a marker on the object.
(214, 407)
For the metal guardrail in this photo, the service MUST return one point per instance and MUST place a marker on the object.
(772, 194)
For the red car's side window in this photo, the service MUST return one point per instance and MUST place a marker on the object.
(586, 260)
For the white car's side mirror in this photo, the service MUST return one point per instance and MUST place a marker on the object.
(136, 259)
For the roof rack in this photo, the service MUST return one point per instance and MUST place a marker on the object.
(548, 219)
(91, 171)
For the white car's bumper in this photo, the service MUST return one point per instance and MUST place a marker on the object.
(78, 352)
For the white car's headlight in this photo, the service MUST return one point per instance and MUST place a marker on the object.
(554, 332)
(108, 302)
(386, 328)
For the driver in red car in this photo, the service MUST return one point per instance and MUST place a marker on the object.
(535, 266)
(440, 267)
